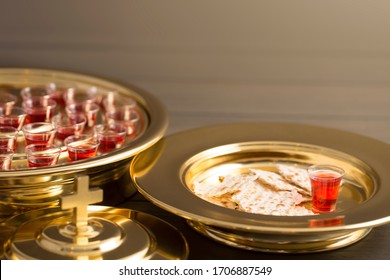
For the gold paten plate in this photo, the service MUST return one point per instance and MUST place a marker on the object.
(165, 173)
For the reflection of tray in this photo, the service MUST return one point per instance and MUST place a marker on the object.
(24, 188)
(206, 153)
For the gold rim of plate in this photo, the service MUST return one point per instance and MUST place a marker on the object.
(164, 174)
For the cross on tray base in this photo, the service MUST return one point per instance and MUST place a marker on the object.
(78, 234)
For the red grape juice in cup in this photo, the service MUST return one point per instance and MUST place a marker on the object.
(39, 133)
(127, 116)
(39, 110)
(42, 155)
(325, 184)
(88, 110)
(14, 117)
(8, 136)
(81, 147)
(68, 125)
(111, 137)
(6, 156)
(57, 91)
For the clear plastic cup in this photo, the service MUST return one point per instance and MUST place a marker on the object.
(34, 93)
(39, 110)
(6, 156)
(7, 102)
(81, 147)
(57, 91)
(77, 95)
(89, 110)
(42, 155)
(111, 137)
(8, 137)
(126, 116)
(66, 126)
(325, 184)
(39, 133)
(15, 117)
(114, 100)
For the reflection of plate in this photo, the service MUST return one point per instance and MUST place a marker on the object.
(208, 152)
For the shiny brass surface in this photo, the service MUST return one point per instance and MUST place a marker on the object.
(164, 174)
(47, 234)
(23, 188)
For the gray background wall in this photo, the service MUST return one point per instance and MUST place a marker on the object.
(214, 61)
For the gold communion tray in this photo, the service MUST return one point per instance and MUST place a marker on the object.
(23, 188)
(165, 174)
(79, 231)
(120, 234)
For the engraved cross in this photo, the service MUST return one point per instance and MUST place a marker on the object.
(80, 201)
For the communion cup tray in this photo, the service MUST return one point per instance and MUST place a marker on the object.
(167, 172)
(23, 188)
(76, 231)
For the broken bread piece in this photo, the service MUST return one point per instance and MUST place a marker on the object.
(257, 198)
(248, 192)
(277, 182)
(221, 193)
(295, 175)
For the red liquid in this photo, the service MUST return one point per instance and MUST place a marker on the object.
(338, 221)
(10, 122)
(41, 161)
(8, 143)
(63, 132)
(57, 96)
(39, 139)
(81, 152)
(325, 189)
(110, 142)
(38, 117)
